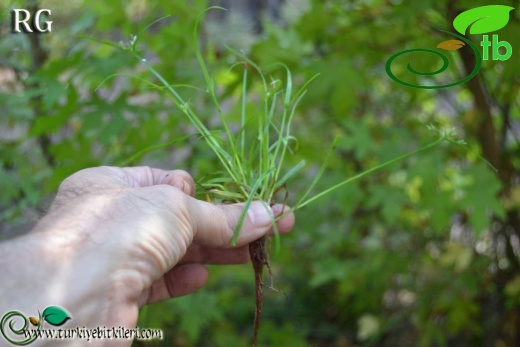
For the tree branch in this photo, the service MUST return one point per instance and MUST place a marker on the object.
(38, 58)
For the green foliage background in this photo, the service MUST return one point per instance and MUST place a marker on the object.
(422, 254)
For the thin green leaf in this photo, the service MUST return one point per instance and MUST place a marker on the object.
(288, 88)
(322, 169)
(138, 155)
(252, 194)
(227, 194)
(288, 175)
(236, 164)
(243, 114)
(108, 43)
(155, 86)
(134, 43)
(369, 171)
(303, 89)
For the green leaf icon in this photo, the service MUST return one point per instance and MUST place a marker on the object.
(483, 19)
(55, 315)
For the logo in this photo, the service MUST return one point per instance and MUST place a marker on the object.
(20, 330)
(53, 315)
(21, 17)
(480, 20)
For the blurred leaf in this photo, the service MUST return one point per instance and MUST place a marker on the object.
(481, 197)
(390, 199)
(328, 270)
(368, 326)
(458, 256)
(513, 289)
(358, 138)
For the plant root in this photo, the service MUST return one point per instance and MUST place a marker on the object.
(259, 260)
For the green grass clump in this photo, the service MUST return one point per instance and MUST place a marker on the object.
(254, 157)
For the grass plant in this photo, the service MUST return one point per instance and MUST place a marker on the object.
(253, 159)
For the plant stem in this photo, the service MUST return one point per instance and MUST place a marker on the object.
(367, 172)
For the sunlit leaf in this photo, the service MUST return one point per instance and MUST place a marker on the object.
(368, 326)
(513, 287)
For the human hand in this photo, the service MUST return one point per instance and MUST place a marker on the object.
(116, 239)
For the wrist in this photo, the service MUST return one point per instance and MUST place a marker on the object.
(59, 263)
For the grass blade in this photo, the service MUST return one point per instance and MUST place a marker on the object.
(250, 197)
(322, 169)
(136, 156)
(369, 171)
(288, 175)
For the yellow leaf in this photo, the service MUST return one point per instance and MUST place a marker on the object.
(513, 287)
(368, 326)
(457, 255)
(451, 45)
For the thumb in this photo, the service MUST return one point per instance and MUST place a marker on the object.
(214, 225)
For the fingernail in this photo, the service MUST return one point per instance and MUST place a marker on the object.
(186, 187)
(259, 214)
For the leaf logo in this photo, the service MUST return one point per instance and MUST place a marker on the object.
(446, 45)
(483, 19)
(480, 20)
(451, 45)
(55, 315)
(34, 321)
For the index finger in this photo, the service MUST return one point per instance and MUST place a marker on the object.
(145, 176)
